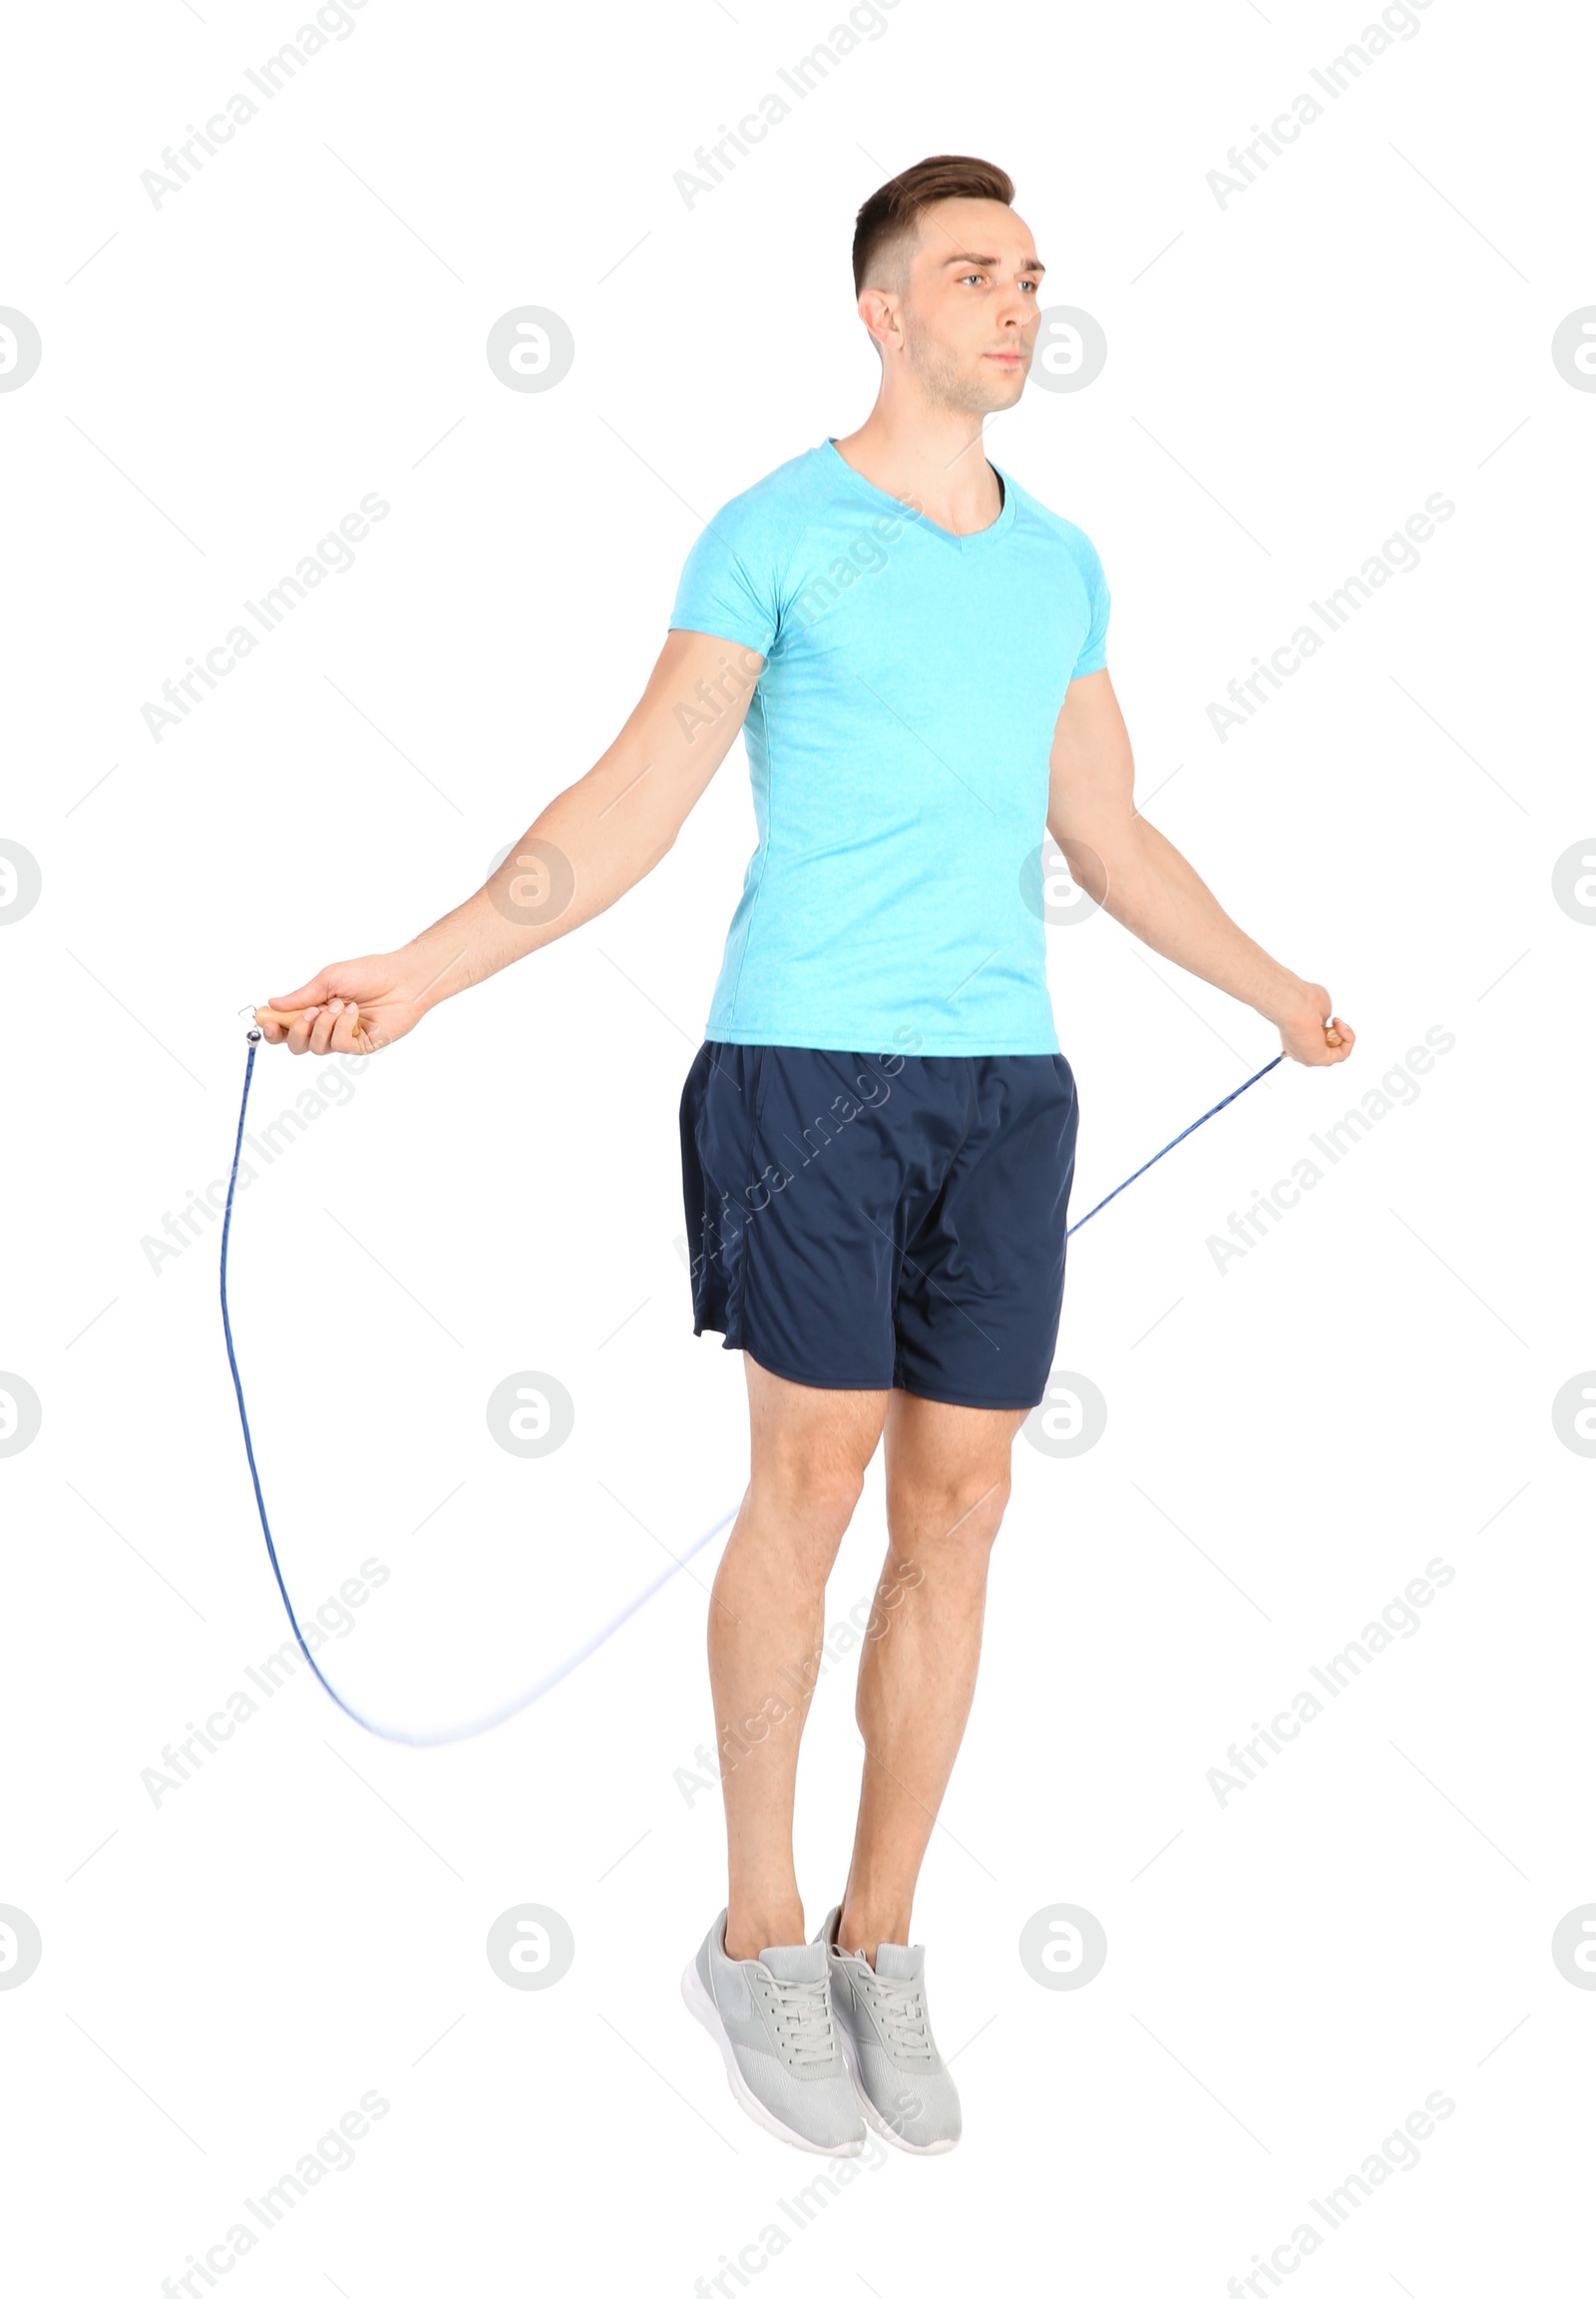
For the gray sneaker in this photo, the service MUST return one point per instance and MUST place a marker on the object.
(772, 2019)
(907, 2093)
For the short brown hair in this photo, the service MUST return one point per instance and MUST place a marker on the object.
(888, 220)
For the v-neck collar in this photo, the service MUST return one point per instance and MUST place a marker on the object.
(885, 501)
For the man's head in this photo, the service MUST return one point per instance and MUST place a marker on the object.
(947, 278)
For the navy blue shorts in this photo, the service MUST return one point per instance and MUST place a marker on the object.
(860, 1221)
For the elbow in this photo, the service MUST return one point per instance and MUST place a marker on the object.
(1091, 869)
(655, 854)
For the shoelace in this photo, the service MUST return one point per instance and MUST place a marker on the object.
(900, 2006)
(803, 2016)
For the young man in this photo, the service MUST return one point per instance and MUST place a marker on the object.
(877, 1133)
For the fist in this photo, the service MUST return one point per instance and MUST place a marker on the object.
(1315, 1035)
(356, 1008)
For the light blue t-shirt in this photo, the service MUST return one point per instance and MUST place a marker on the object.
(899, 741)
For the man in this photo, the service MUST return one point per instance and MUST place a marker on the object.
(877, 1133)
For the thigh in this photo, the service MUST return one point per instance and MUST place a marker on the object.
(983, 1276)
(947, 1478)
(943, 1446)
(820, 1438)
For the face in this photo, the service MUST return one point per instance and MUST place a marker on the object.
(968, 314)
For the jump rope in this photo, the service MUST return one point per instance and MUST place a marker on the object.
(573, 1660)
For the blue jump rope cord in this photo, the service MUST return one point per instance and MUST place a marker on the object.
(600, 1635)
(1157, 1154)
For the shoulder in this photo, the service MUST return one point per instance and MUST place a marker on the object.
(780, 504)
(1056, 528)
(735, 581)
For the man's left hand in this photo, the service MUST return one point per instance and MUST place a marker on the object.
(1315, 1035)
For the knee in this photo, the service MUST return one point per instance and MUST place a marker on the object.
(816, 1497)
(952, 1517)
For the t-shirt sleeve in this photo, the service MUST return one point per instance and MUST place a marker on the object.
(1094, 649)
(730, 584)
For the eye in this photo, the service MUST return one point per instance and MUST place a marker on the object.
(1032, 285)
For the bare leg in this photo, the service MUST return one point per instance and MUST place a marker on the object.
(948, 1480)
(808, 1452)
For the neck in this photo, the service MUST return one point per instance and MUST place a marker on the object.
(932, 458)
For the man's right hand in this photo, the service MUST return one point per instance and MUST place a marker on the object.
(356, 1008)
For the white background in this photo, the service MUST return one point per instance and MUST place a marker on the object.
(227, 1971)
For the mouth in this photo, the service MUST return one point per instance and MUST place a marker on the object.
(1005, 358)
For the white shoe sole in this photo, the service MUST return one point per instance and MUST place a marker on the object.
(872, 2113)
(698, 2002)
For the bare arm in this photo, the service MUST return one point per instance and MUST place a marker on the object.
(1144, 883)
(591, 843)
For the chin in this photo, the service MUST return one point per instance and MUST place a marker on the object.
(1000, 391)
(1002, 385)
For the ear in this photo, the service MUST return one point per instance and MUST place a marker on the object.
(879, 312)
